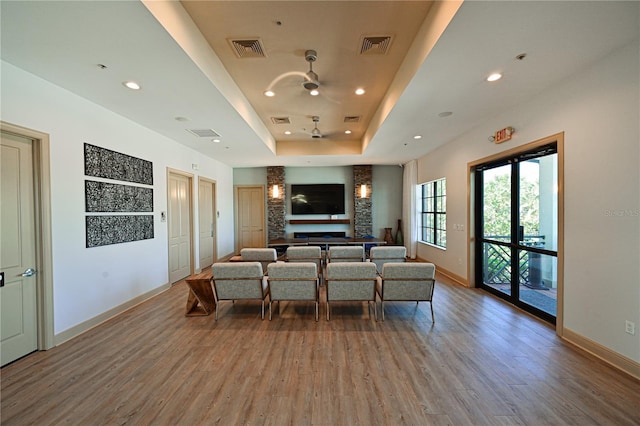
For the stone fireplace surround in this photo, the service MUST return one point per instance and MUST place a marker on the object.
(276, 207)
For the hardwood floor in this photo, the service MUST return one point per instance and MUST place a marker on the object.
(482, 362)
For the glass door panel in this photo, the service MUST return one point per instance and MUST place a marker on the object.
(538, 224)
(496, 228)
(496, 272)
(539, 281)
(517, 229)
(496, 196)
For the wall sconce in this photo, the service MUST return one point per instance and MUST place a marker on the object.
(363, 191)
(275, 191)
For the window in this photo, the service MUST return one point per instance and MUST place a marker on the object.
(433, 213)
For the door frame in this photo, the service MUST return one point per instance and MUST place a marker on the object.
(558, 138)
(215, 215)
(189, 176)
(42, 210)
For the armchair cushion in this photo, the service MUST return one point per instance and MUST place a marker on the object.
(387, 254)
(407, 281)
(293, 281)
(351, 281)
(303, 252)
(241, 280)
(262, 255)
(346, 254)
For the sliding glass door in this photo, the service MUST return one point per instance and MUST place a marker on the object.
(517, 229)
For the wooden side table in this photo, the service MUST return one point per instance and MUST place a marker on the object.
(200, 300)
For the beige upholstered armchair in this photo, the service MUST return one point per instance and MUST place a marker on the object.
(346, 254)
(351, 281)
(306, 254)
(387, 254)
(293, 281)
(239, 281)
(407, 282)
(263, 255)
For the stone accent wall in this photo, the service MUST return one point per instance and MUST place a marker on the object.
(362, 221)
(276, 207)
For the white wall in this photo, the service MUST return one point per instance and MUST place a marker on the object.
(386, 183)
(599, 111)
(386, 200)
(90, 281)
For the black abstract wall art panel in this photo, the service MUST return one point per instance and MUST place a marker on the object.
(104, 163)
(111, 197)
(106, 230)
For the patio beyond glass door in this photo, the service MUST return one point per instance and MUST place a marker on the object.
(517, 230)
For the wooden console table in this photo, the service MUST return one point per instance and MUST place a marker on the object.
(200, 300)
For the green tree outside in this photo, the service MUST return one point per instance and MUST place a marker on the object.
(497, 205)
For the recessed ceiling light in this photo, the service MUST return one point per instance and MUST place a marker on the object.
(348, 132)
(314, 92)
(360, 91)
(494, 77)
(269, 93)
(181, 119)
(131, 85)
(287, 132)
(417, 137)
(216, 140)
(444, 114)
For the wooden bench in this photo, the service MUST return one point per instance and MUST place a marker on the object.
(200, 300)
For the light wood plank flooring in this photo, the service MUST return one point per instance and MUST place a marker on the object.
(483, 362)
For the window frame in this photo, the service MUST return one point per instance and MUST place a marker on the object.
(433, 213)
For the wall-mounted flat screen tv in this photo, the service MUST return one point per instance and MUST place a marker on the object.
(325, 198)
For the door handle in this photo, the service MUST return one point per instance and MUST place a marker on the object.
(29, 272)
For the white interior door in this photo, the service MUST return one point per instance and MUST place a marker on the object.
(206, 225)
(179, 227)
(18, 317)
(251, 217)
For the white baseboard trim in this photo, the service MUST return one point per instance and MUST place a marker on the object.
(612, 358)
(448, 275)
(99, 319)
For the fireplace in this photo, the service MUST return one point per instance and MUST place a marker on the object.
(319, 234)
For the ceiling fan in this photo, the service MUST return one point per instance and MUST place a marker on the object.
(315, 132)
(311, 82)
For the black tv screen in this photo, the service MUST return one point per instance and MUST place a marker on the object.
(326, 198)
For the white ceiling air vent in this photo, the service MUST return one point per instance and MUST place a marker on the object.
(375, 45)
(280, 120)
(247, 48)
(204, 133)
(351, 118)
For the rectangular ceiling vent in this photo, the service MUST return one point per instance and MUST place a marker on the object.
(280, 120)
(351, 119)
(247, 48)
(204, 133)
(375, 45)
